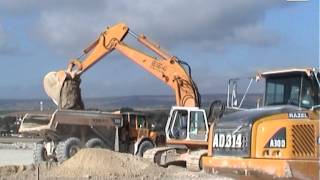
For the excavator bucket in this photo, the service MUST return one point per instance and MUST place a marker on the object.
(63, 90)
(53, 83)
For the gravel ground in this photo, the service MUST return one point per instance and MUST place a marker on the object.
(16, 163)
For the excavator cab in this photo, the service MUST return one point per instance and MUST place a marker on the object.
(187, 134)
(187, 124)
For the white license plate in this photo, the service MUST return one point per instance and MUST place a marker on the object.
(222, 140)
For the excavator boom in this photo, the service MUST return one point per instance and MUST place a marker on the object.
(167, 68)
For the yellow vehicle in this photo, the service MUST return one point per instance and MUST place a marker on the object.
(280, 139)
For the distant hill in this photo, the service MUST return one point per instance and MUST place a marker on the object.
(107, 103)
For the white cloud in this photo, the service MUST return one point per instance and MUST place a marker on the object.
(255, 35)
(206, 23)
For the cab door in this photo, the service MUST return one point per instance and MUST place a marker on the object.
(187, 124)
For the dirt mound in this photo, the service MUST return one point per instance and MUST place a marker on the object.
(13, 172)
(102, 162)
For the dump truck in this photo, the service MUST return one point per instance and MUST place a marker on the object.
(65, 132)
(281, 138)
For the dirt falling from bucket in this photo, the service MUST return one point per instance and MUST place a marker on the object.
(70, 97)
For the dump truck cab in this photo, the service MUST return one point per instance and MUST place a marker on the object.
(137, 124)
(298, 87)
(138, 133)
(279, 139)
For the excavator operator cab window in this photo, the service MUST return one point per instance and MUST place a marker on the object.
(197, 128)
(187, 124)
(178, 124)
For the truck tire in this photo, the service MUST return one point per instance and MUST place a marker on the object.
(40, 153)
(144, 146)
(68, 148)
(95, 143)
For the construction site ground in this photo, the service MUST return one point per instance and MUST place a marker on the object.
(16, 163)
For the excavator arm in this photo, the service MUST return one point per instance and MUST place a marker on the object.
(167, 68)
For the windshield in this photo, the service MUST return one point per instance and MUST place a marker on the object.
(299, 90)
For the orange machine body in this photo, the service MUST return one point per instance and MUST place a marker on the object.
(167, 68)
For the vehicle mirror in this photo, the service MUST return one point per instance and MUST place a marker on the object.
(259, 101)
(232, 100)
(217, 108)
(234, 95)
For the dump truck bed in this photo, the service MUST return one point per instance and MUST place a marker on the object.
(39, 122)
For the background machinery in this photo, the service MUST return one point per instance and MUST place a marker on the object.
(280, 139)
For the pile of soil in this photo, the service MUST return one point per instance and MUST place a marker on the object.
(102, 162)
(17, 172)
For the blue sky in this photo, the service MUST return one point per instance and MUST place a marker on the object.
(219, 39)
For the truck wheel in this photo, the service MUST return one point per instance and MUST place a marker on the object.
(144, 146)
(95, 143)
(68, 148)
(40, 153)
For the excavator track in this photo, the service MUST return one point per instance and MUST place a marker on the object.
(151, 153)
(194, 160)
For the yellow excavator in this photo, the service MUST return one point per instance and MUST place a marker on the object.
(281, 138)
